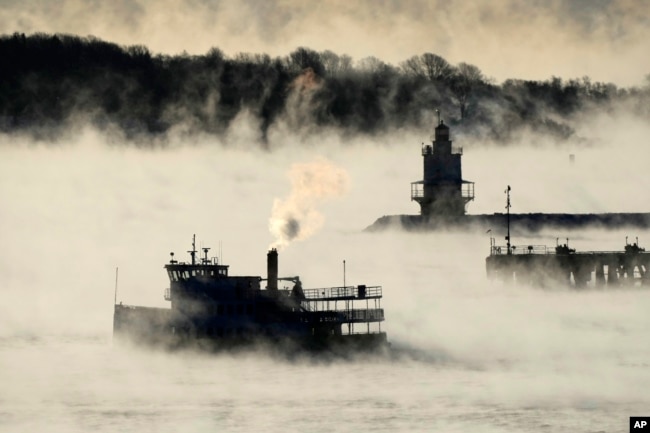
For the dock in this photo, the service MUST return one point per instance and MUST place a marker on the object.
(537, 265)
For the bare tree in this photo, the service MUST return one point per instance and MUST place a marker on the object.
(464, 82)
(428, 65)
(303, 58)
(334, 64)
(371, 64)
(411, 66)
(437, 68)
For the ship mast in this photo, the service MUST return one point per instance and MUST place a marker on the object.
(115, 296)
(508, 218)
(193, 252)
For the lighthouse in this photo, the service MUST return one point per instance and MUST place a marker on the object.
(442, 193)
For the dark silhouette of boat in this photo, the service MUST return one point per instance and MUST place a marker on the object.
(213, 310)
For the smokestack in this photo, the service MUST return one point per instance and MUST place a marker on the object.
(272, 269)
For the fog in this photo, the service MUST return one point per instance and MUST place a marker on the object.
(75, 212)
(535, 40)
(606, 175)
(474, 353)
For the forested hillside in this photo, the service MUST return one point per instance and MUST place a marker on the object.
(49, 83)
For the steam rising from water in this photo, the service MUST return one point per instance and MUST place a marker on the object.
(296, 217)
(481, 356)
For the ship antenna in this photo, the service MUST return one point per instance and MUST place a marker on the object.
(115, 298)
(343, 273)
(508, 218)
(193, 252)
(438, 112)
(205, 253)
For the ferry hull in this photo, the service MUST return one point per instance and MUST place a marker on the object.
(163, 328)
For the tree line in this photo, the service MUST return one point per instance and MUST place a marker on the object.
(49, 83)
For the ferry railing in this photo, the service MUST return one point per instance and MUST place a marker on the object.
(352, 316)
(342, 293)
(369, 315)
(372, 331)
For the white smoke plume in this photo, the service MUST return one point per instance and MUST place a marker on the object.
(296, 217)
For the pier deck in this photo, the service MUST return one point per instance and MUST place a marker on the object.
(542, 266)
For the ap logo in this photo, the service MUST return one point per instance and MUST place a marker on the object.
(639, 424)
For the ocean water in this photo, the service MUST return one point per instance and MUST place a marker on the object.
(467, 355)
(79, 383)
(470, 355)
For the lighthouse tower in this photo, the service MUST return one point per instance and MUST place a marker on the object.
(442, 193)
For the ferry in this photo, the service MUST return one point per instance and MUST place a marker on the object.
(211, 309)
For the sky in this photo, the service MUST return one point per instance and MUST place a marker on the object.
(606, 40)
